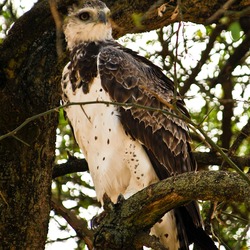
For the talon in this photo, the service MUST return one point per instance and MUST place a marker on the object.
(107, 203)
(96, 220)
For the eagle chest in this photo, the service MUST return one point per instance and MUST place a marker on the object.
(118, 164)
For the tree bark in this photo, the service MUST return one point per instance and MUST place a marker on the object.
(29, 84)
(142, 210)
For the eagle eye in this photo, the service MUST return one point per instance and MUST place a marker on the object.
(84, 16)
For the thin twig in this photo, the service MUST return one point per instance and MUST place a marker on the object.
(245, 132)
(204, 56)
(217, 15)
(2, 5)
(233, 61)
(58, 22)
(56, 109)
(178, 114)
(79, 225)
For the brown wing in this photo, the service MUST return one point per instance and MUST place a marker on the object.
(130, 78)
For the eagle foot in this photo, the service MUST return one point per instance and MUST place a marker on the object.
(120, 199)
(96, 220)
(108, 205)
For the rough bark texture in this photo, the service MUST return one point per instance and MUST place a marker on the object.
(130, 217)
(29, 83)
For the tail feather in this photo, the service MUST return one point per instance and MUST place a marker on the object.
(190, 231)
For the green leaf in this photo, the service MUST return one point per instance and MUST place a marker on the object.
(235, 30)
(137, 18)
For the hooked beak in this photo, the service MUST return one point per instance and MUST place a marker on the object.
(102, 18)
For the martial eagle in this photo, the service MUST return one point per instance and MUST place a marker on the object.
(127, 147)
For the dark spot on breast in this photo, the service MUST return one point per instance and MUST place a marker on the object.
(138, 178)
(112, 113)
(142, 175)
(166, 235)
(100, 90)
(108, 141)
(109, 129)
(96, 138)
(97, 167)
(160, 221)
(103, 158)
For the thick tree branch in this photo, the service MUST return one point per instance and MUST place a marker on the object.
(135, 216)
(146, 207)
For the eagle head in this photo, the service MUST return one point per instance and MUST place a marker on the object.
(87, 22)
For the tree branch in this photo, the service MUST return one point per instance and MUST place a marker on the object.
(233, 61)
(212, 158)
(79, 225)
(73, 165)
(245, 132)
(142, 210)
(204, 56)
(219, 13)
(135, 216)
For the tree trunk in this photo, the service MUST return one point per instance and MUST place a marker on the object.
(29, 85)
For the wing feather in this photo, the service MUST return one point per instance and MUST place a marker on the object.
(129, 78)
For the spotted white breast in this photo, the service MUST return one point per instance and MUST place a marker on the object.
(118, 164)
